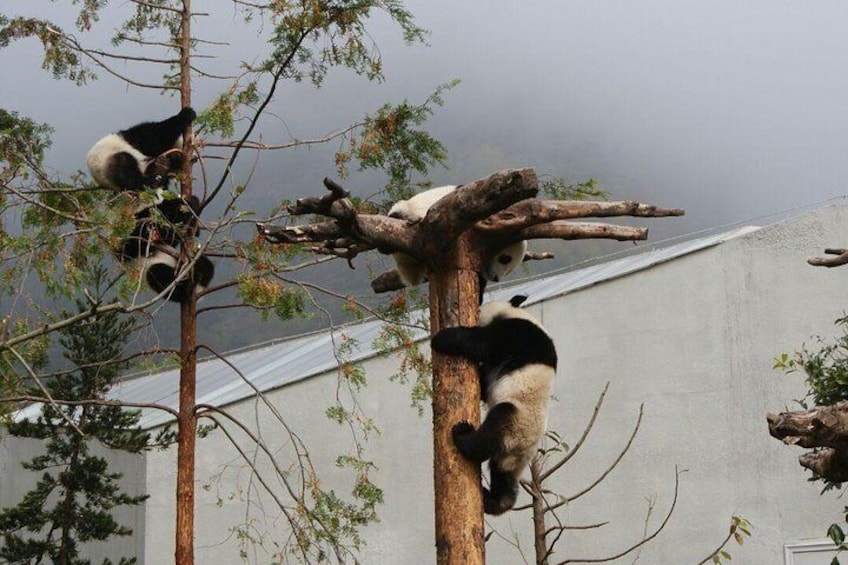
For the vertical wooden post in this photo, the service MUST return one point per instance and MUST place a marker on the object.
(186, 421)
(456, 397)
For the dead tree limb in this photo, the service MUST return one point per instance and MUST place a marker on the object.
(583, 230)
(840, 259)
(531, 212)
(824, 428)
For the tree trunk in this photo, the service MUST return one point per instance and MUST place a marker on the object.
(456, 397)
(187, 421)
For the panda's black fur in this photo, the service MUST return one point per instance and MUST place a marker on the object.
(144, 158)
(140, 157)
(517, 361)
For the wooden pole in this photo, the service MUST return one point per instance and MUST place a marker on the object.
(456, 397)
(186, 421)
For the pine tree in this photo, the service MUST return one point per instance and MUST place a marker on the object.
(73, 500)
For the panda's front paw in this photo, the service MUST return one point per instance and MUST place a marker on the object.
(443, 341)
(461, 429)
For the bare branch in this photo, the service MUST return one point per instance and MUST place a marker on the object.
(44, 390)
(92, 402)
(531, 212)
(99, 62)
(582, 230)
(260, 146)
(275, 79)
(613, 465)
(537, 256)
(840, 259)
(307, 233)
(822, 426)
(555, 467)
(645, 539)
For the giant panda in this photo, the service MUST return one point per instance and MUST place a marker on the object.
(141, 158)
(413, 273)
(517, 361)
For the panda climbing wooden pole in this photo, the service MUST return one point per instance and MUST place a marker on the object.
(187, 419)
(456, 240)
(456, 398)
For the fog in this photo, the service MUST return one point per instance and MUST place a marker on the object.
(732, 110)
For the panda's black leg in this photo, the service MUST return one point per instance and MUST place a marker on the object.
(502, 491)
(123, 170)
(204, 270)
(162, 272)
(485, 442)
(137, 244)
(481, 281)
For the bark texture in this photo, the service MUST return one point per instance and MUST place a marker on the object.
(456, 397)
(824, 428)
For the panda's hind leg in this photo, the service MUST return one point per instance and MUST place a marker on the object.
(124, 172)
(502, 491)
(486, 441)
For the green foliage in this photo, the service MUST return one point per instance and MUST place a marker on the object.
(60, 55)
(392, 141)
(825, 369)
(559, 189)
(73, 499)
(268, 295)
(740, 528)
(397, 336)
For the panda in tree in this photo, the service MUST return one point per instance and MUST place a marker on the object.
(412, 272)
(144, 158)
(516, 361)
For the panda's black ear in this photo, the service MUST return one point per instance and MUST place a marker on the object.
(517, 300)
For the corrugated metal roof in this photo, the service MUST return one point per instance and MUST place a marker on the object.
(221, 382)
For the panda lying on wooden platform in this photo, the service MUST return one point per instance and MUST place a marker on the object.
(413, 273)
(517, 362)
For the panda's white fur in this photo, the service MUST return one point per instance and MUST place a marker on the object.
(517, 361)
(505, 261)
(100, 156)
(413, 210)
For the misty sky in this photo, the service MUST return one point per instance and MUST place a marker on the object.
(729, 109)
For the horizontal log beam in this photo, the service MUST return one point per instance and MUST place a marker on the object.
(840, 259)
(531, 212)
(582, 230)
